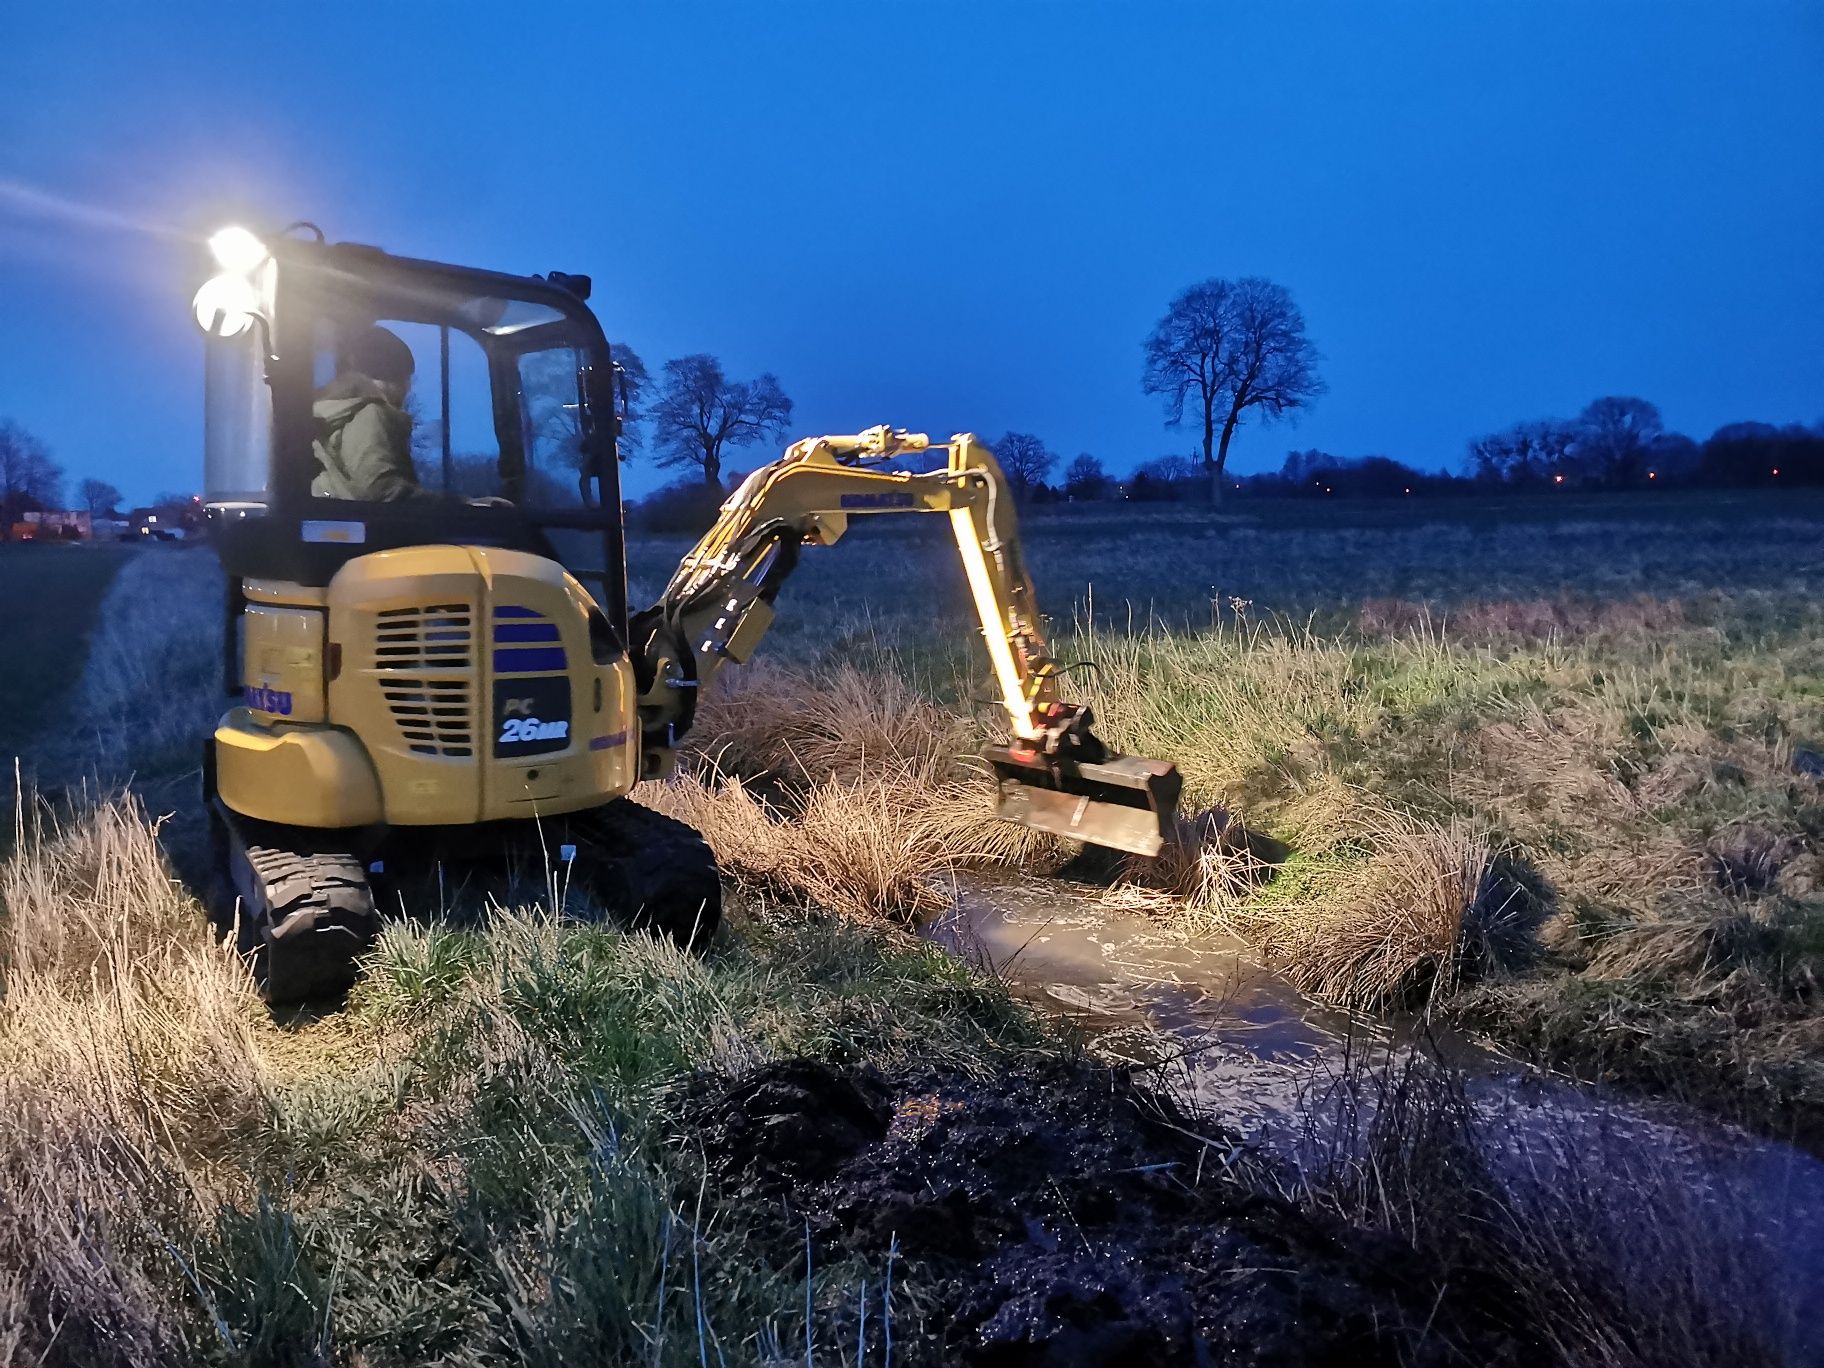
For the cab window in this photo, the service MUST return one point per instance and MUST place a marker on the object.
(558, 472)
(383, 430)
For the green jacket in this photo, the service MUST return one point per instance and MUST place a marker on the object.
(363, 444)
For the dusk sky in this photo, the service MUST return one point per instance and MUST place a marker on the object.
(953, 216)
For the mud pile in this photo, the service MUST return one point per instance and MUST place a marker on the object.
(1063, 1216)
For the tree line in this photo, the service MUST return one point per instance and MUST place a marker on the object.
(1224, 353)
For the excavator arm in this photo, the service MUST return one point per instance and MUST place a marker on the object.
(1054, 774)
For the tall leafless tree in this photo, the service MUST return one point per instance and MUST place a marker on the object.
(1024, 459)
(1226, 347)
(700, 414)
(1086, 478)
(1614, 436)
(98, 496)
(29, 478)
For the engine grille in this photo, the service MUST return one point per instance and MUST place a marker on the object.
(426, 659)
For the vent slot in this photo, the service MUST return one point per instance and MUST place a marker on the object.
(440, 636)
(433, 703)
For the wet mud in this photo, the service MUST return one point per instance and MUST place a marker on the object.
(1065, 1216)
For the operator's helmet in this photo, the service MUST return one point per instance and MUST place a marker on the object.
(379, 355)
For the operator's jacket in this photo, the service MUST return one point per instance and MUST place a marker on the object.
(363, 444)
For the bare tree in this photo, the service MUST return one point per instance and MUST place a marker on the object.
(98, 496)
(700, 413)
(1086, 478)
(1615, 435)
(1025, 460)
(29, 478)
(1169, 469)
(1225, 347)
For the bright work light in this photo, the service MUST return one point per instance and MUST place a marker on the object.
(237, 250)
(227, 304)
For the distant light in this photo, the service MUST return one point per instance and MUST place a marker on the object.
(1652, 474)
(226, 305)
(1776, 470)
(237, 250)
(1557, 479)
(1409, 489)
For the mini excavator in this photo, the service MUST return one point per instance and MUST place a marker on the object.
(459, 659)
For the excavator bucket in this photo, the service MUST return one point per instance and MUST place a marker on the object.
(1121, 801)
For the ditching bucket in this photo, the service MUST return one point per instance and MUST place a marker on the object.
(1123, 801)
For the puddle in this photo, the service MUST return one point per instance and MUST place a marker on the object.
(1285, 1074)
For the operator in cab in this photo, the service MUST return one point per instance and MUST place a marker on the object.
(364, 435)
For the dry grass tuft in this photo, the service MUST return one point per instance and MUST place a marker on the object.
(868, 848)
(850, 848)
(868, 791)
(1405, 923)
(767, 722)
(1596, 1251)
(127, 1069)
(1391, 912)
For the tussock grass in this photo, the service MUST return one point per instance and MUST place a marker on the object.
(1399, 924)
(1388, 910)
(128, 1079)
(850, 791)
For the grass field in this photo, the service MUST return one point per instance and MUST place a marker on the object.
(1541, 775)
(50, 596)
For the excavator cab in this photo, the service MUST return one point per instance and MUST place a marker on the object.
(411, 475)
(509, 416)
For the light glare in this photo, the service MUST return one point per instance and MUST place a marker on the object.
(237, 250)
(226, 305)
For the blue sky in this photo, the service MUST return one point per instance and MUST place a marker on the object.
(954, 216)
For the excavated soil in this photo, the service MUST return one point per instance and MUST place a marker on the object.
(1063, 1216)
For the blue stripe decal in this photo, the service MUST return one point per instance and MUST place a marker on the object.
(530, 631)
(509, 610)
(526, 659)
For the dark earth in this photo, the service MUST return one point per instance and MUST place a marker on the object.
(1065, 1216)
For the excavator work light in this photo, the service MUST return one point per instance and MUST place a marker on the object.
(237, 250)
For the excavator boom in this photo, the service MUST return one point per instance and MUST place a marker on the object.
(1054, 773)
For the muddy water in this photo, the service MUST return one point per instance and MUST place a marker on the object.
(1298, 1080)
(1202, 1011)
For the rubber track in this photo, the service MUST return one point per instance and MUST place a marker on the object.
(315, 920)
(657, 873)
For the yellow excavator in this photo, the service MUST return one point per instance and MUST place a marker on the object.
(446, 665)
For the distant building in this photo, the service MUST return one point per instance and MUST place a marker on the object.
(54, 525)
(157, 524)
